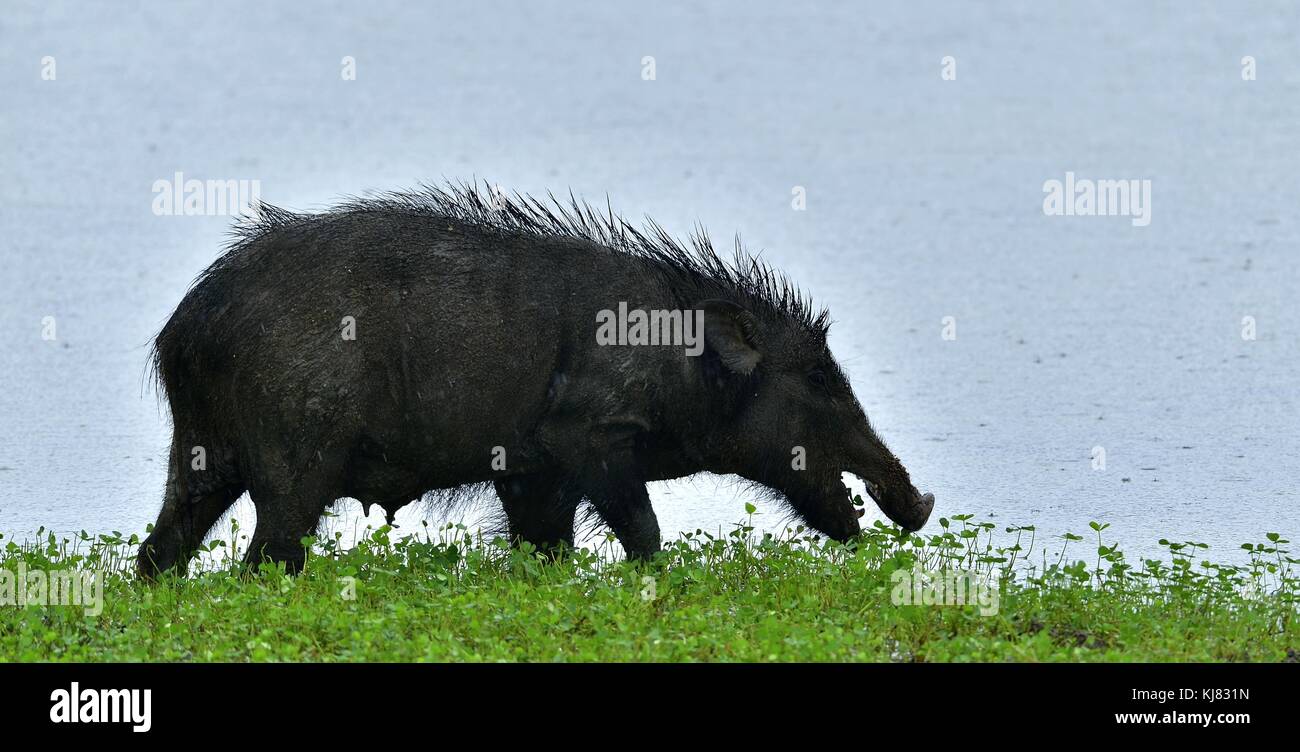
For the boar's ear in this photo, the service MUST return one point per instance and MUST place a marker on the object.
(730, 330)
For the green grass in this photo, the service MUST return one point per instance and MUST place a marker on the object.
(447, 595)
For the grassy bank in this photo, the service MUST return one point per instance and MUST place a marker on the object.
(447, 595)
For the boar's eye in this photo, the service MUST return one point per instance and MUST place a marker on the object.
(818, 377)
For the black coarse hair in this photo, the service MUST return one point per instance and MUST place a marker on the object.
(491, 210)
(693, 263)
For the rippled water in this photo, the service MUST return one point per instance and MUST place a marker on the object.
(923, 202)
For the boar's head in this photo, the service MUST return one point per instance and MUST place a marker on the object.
(795, 425)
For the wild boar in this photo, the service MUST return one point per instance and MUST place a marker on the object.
(407, 345)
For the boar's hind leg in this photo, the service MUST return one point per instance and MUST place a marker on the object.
(283, 520)
(180, 529)
(540, 508)
(190, 508)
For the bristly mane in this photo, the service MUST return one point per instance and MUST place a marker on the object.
(695, 260)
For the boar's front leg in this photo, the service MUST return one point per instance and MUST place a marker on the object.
(540, 508)
(601, 464)
(624, 505)
(615, 486)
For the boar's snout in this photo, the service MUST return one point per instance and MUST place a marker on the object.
(906, 507)
(914, 516)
